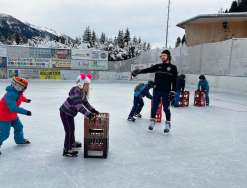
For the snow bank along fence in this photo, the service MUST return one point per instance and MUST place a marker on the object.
(50, 63)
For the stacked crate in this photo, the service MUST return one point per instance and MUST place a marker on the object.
(96, 136)
(184, 99)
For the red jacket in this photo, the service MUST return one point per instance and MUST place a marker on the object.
(5, 113)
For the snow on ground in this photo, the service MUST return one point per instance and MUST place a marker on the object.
(206, 148)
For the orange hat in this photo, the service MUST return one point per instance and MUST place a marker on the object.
(20, 84)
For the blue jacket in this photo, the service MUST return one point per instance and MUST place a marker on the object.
(203, 85)
(142, 90)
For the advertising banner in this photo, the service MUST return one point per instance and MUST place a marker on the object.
(61, 63)
(39, 52)
(51, 74)
(29, 63)
(61, 53)
(25, 73)
(89, 65)
(89, 54)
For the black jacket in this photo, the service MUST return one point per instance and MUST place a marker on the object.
(165, 76)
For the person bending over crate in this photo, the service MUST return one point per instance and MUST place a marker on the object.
(76, 102)
(141, 90)
(204, 86)
(9, 106)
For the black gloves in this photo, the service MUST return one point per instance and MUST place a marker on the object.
(95, 112)
(29, 113)
(91, 116)
(135, 72)
(28, 100)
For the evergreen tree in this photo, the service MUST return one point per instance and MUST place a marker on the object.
(234, 7)
(135, 41)
(149, 46)
(120, 39)
(243, 6)
(127, 36)
(17, 38)
(94, 39)
(183, 40)
(139, 40)
(102, 38)
(87, 36)
(178, 42)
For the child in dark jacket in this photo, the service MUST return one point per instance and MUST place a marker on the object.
(204, 86)
(76, 102)
(141, 90)
(180, 86)
(9, 108)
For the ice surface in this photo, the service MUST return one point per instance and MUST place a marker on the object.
(206, 148)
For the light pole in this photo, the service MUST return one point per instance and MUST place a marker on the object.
(167, 22)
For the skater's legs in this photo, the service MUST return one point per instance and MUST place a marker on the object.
(18, 131)
(166, 106)
(177, 98)
(69, 128)
(140, 106)
(155, 103)
(135, 107)
(4, 131)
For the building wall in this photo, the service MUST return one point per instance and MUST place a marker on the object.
(199, 33)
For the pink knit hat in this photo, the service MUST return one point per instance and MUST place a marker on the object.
(84, 79)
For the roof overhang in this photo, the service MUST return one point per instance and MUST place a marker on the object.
(210, 18)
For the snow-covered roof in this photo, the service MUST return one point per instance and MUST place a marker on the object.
(214, 18)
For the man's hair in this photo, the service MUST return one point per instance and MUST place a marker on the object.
(168, 54)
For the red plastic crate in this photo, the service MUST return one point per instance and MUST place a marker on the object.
(184, 99)
(199, 99)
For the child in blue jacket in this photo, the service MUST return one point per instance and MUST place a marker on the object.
(141, 90)
(204, 86)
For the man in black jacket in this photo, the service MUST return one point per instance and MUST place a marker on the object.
(165, 82)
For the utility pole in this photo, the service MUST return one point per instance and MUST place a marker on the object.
(167, 23)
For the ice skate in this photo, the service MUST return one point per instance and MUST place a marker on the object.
(167, 127)
(152, 124)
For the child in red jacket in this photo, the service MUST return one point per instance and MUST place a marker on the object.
(9, 108)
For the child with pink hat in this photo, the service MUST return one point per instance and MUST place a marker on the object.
(77, 101)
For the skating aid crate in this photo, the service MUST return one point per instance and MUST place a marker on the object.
(184, 99)
(96, 136)
(159, 114)
(199, 99)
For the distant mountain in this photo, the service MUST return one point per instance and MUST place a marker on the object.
(15, 31)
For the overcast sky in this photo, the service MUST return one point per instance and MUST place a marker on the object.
(145, 18)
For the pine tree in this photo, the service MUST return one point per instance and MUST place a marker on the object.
(120, 39)
(94, 39)
(234, 7)
(178, 42)
(127, 36)
(87, 36)
(184, 40)
(102, 38)
(243, 6)
(139, 40)
(17, 38)
(135, 41)
(149, 46)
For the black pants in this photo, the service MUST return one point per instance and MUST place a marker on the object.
(69, 128)
(137, 107)
(157, 96)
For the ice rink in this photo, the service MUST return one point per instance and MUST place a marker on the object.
(207, 147)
